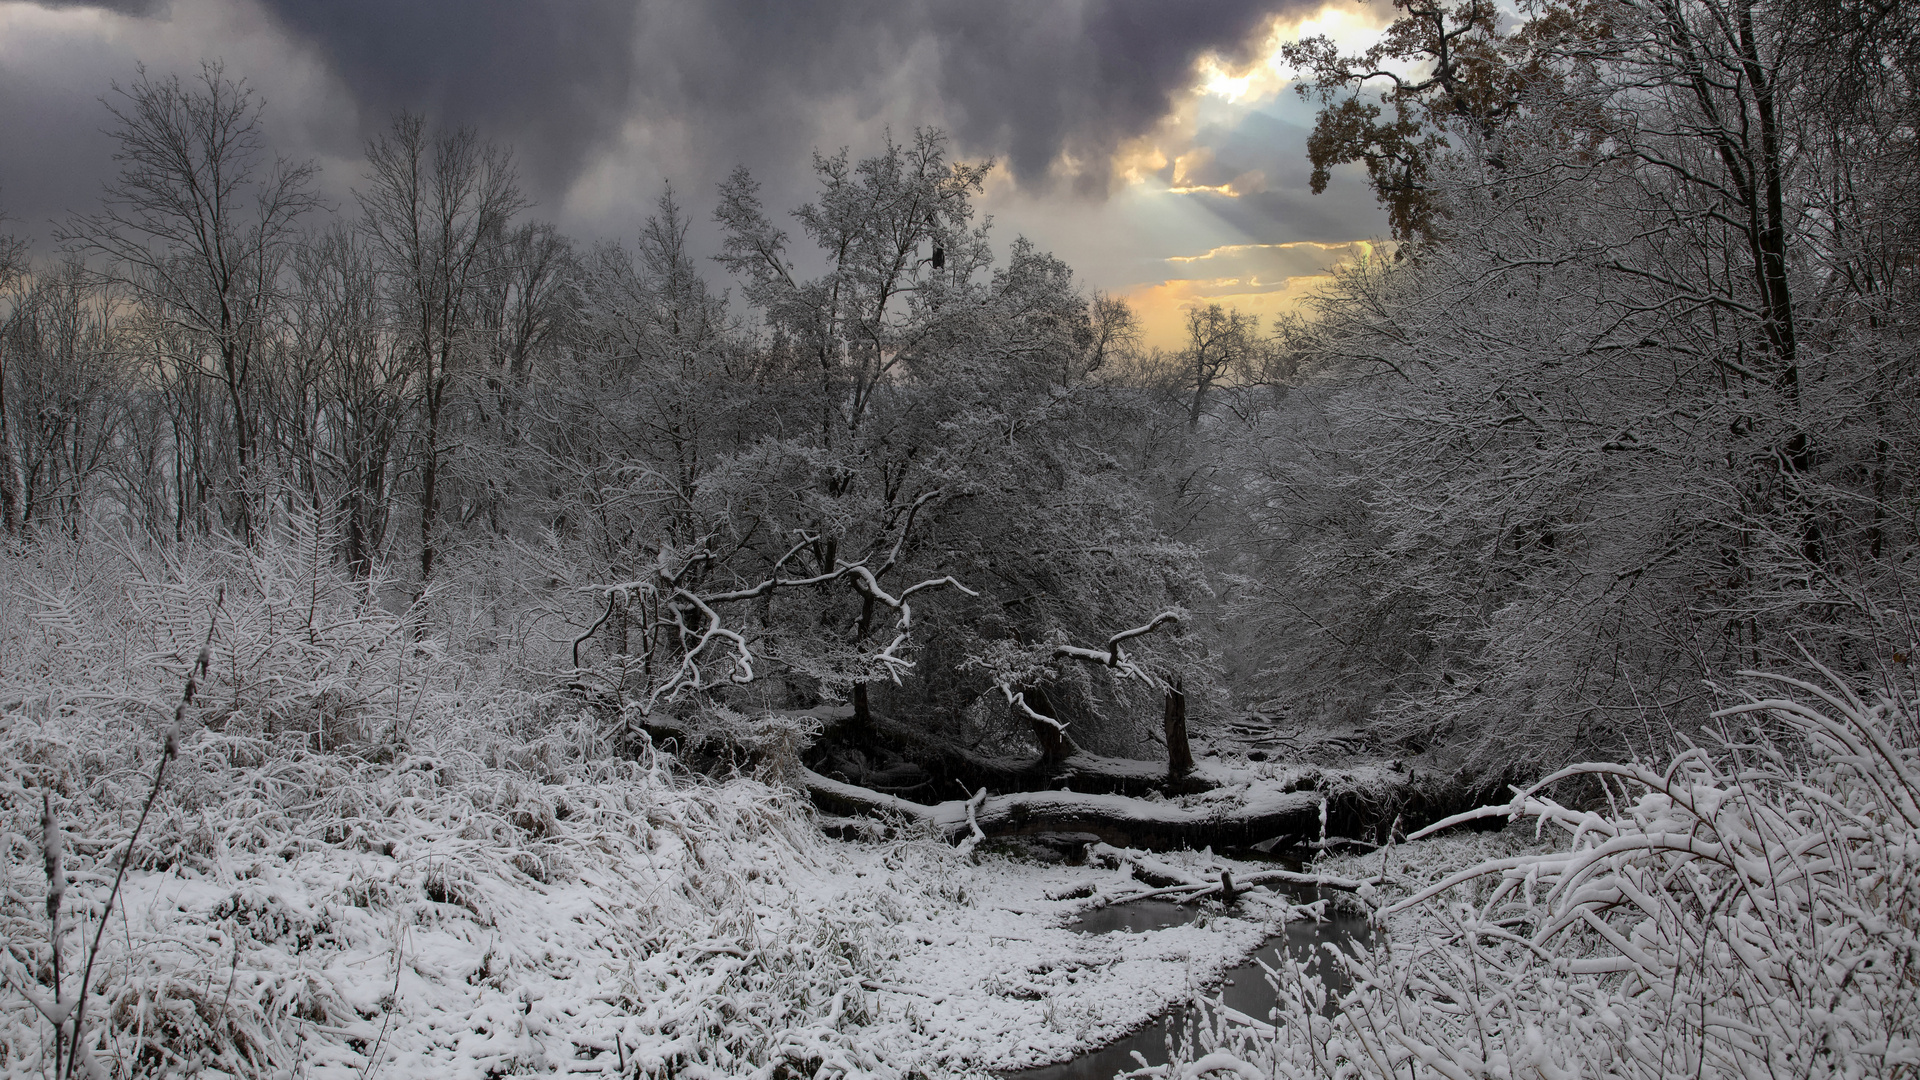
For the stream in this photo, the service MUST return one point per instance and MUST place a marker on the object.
(1245, 987)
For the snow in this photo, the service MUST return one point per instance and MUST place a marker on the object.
(407, 920)
(1004, 985)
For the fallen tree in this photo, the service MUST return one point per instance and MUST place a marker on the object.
(687, 649)
(1367, 801)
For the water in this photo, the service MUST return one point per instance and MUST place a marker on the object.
(1135, 918)
(1245, 988)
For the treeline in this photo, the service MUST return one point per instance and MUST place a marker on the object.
(1634, 405)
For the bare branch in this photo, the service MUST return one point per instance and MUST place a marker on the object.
(1018, 700)
(893, 556)
(697, 623)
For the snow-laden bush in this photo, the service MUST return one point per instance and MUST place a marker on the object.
(302, 655)
(1752, 910)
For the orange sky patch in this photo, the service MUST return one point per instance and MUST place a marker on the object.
(1266, 280)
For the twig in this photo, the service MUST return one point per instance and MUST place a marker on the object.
(612, 595)
(170, 750)
(399, 962)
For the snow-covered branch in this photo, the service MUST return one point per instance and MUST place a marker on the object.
(1018, 700)
(913, 511)
(693, 619)
(1111, 657)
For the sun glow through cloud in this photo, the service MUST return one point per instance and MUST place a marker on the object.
(1361, 248)
(1266, 280)
(1181, 160)
(1351, 27)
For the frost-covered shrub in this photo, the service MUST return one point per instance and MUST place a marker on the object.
(304, 657)
(1752, 910)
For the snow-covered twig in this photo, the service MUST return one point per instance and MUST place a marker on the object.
(170, 749)
(1017, 699)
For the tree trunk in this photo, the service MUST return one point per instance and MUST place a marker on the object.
(430, 493)
(233, 374)
(1054, 744)
(862, 713)
(12, 483)
(1179, 757)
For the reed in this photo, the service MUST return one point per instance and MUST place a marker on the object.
(1751, 909)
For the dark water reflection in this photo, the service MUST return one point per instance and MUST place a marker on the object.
(1135, 918)
(1245, 989)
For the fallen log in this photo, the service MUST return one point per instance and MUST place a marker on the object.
(836, 797)
(1249, 813)
(1115, 819)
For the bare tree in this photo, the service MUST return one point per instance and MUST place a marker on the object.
(13, 267)
(436, 207)
(1219, 340)
(198, 224)
(362, 377)
(856, 330)
(855, 324)
(63, 385)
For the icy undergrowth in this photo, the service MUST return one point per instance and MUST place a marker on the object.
(371, 859)
(1752, 910)
(301, 912)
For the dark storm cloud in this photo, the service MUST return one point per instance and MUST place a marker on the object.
(1029, 80)
(124, 7)
(679, 89)
(552, 79)
(1039, 86)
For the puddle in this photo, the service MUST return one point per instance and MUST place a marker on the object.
(1135, 918)
(1245, 988)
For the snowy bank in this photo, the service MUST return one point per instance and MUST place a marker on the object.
(1747, 909)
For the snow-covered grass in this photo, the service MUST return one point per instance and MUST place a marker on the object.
(375, 859)
(1750, 910)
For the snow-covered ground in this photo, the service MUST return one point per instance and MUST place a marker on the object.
(429, 918)
(369, 861)
(375, 858)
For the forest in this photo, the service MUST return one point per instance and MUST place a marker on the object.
(431, 643)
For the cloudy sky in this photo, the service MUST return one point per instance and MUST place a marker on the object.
(1153, 144)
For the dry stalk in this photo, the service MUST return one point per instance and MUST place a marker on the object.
(78, 1055)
